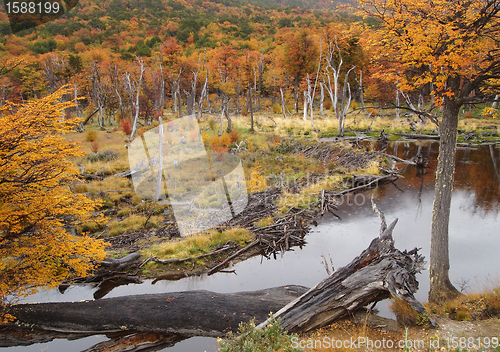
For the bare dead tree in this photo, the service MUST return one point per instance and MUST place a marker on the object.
(203, 96)
(361, 89)
(346, 102)
(333, 49)
(191, 95)
(116, 83)
(249, 104)
(97, 93)
(138, 88)
(283, 104)
(322, 99)
(261, 65)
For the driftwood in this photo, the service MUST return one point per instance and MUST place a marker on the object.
(418, 136)
(127, 173)
(90, 177)
(381, 271)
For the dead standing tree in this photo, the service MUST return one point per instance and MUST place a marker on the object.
(333, 48)
(346, 102)
(135, 89)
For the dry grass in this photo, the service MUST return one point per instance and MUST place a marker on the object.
(470, 307)
(264, 222)
(133, 223)
(197, 244)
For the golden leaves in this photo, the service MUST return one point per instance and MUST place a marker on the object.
(433, 41)
(35, 200)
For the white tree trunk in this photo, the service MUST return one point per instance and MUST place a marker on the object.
(346, 102)
(160, 160)
(335, 73)
(139, 84)
(283, 103)
(321, 109)
(306, 103)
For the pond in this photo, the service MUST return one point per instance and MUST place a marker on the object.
(474, 239)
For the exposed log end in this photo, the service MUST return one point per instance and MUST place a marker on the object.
(380, 271)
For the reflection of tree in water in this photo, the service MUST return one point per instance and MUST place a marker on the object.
(477, 172)
(420, 167)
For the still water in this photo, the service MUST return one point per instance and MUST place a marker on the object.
(474, 240)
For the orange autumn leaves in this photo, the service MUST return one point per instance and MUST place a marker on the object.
(430, 41)
(36, 201)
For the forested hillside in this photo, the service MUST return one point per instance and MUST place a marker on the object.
(101, 44)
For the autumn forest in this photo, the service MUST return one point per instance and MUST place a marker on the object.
(266, 81)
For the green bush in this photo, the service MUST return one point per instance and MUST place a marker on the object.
(272, 338)
(106, 155)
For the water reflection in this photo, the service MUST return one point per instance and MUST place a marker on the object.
(474, 236)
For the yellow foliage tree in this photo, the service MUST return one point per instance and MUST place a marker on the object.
(35, 200)
(451, 47)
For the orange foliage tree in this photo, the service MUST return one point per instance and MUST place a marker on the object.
(453, 47)
(35, 200)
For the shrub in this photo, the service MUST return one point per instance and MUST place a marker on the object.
(225, 140)
(94, 146)
(277, 108)
(222, 141)
(373, 112)
(118, 117)
(126, 126)
(212, 124)
(271, 338)
(107, 155)
(244, 111)
(327, 104)
(215, 142)
(468, 115)
(91, 136)
(193, 135)
(234, 135)
(220, 150)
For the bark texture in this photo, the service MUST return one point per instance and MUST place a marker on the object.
(441, 288)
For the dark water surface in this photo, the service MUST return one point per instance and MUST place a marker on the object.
(474, 240)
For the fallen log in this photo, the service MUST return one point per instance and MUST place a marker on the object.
(373, 183)
(409, 162)
(418, 136)
(192, 313)
(380, 272)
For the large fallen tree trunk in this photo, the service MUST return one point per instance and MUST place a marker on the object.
(381, 271)
(192, 313)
